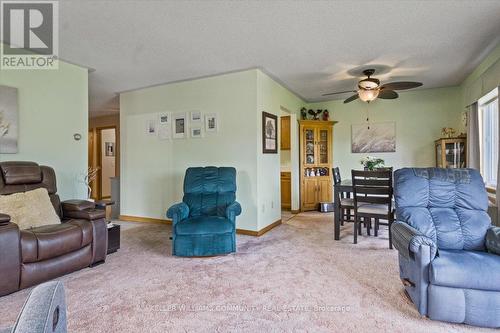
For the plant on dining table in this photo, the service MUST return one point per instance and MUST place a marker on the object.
(371, 163)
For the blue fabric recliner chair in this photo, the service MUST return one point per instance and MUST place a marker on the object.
(449, 256)
(204, 224)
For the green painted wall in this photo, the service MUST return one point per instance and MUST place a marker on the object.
(152, 170)
(53, 105)
(271, 98)
(419, 116)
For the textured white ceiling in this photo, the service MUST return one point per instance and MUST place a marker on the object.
(311, 47)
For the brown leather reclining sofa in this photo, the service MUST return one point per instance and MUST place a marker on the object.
(29, 257)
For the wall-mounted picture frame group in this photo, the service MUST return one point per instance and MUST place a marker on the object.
(269, 133)
(182, 125)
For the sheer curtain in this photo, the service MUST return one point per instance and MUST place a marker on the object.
(473, 152)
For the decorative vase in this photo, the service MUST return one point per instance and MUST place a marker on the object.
(89, 194)
(326, 115)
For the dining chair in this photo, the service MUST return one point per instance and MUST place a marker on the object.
(346, 202)
(372, 194)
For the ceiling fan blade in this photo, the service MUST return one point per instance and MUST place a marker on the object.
(339, 92)
(388, 94)
(401, 85)
(352, 98)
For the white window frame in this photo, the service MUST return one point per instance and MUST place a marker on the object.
(488, 167)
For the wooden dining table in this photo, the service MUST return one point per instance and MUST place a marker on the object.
(344, 186)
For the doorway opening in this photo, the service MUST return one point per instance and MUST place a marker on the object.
(103, 157)
(106, 160)
(289, 163)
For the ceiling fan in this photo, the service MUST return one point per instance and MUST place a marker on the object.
(369, 89)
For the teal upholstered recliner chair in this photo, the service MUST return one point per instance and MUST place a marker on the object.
(204, 223)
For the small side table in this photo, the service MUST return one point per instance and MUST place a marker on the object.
(113, 238)
(102, 204)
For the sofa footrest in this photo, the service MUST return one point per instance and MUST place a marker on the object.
(464, 306)
(204, 245)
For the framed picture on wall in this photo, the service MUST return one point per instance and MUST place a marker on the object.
(211, 124)
(196, 132)
(195, 116)
(151, 126)
(164, 118)
(180, 126)
(269, 133)
(373, 138)
(110, 148)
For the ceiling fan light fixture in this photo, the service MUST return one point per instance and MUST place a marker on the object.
(368, 95)
(369, 83)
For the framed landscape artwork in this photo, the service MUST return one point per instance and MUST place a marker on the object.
(269, 133)
(373, 138)
(8, 120)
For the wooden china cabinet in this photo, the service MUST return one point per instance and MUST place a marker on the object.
(451, 152)
(316, 162)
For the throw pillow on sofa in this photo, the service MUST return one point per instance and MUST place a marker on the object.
(29, 209)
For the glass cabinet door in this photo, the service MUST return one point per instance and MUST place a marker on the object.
(439, 157)
(323, 146)
(455, 155)
(309, 137)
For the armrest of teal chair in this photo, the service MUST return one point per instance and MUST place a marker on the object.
(416, 252)
(178, 212)
(232, 211)
(493, 240)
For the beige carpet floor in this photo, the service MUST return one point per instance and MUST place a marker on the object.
(295, 278)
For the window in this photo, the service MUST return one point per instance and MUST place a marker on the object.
(488, 120)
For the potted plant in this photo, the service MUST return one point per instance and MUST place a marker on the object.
(371, 163)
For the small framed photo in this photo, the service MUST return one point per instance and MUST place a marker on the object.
(269, 133)
(164, 132)
(195, 116)
(164, 118)
(151, 127)
(196, 132)
(211, 124)
(110, 148)
(180, 126)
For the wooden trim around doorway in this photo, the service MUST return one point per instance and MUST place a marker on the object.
(99, 156)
